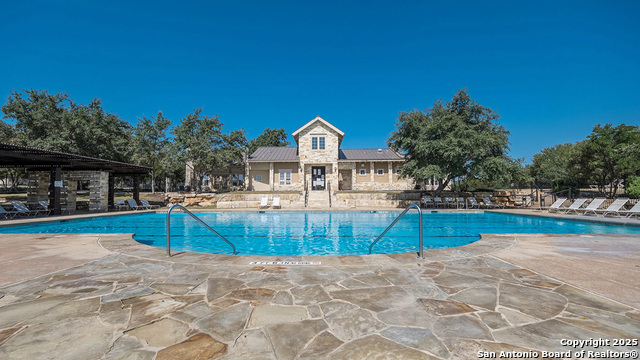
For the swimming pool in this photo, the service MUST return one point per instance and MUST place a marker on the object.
(318, 233)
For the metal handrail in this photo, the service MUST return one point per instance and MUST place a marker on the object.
(198, 220)
(420, 249)
(306, 194)
(329, 191)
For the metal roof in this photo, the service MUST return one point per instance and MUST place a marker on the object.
(275, 153)
(369, 154)
(12, 156)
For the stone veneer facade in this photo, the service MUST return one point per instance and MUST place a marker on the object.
(340, 174)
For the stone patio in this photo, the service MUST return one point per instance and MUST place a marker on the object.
(108, 297)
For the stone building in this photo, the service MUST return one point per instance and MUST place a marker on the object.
(319, 163)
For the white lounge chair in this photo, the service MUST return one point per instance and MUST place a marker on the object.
(45, 206)
(23, 210)
(555, 206)
(134, 205)
(276, 203)
(448, 202)
(592, 207)
(427, 201)
(460, 204)
(7, 214)
(575, 206)
(120, 205)
(614, 208)
(437, 202)
(146, 204)
(264, 203)
(634, 211)
(473, 203)
(487, 202)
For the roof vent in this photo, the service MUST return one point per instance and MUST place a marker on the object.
(379, 150)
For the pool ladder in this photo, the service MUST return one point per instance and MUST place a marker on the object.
(198, 220)
(420, 249)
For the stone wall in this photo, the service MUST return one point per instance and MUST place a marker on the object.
(234, 200)
(355, 199)
(98, 189)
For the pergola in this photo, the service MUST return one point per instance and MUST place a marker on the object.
(33, 159)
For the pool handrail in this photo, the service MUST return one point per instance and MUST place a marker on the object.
(420, 247)
(198, 220)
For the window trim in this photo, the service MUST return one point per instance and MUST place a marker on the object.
(363, 172)
(286, 180)
(378, 172)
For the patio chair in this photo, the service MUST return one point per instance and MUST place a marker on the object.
(555, 206)
(276, 203)
(23, 210)
(264, 203)
(437, 202)
(45, 206)
(614, 208)
(427, 201)
(634, 211)
(575, 205)
(448, 202)
(120, 205)
(473, 203)
(487, 201)
(146, 204)
(592, 207)
(7, 214)
(134, 205)
(460, 204)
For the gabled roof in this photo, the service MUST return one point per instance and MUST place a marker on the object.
(369, 154)
(274, 153)
(325, 122)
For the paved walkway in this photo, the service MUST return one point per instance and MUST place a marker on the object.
(116, 299)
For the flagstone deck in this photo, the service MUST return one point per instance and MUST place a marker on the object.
(108, 297)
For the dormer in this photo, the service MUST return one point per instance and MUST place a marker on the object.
(318, 141)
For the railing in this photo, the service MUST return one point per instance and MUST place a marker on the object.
(329, 191)
(420, 249)
(198, 220)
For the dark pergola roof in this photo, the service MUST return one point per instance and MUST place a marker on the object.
(12, 156)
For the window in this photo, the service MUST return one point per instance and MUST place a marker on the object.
(258, 177)
(317, 143)
(285, 177)
(380, 171)
(205, 180)
(363, 172)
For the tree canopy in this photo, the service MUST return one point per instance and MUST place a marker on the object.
(55, 122)
(269, 137)
(151, 144)
(453, 139)
(552, 167)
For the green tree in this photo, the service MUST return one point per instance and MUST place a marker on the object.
(552, 167)
(269, 137)
(55, 122)
(200, 142)
(450, 140)
(608, 156)
(632, 186)
(151, 144)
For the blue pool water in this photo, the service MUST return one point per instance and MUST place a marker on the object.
(317, 233)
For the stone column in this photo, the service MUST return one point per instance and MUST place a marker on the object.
(354, 179)
(390, 172)
(271, 176)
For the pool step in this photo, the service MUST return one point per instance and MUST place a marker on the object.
(318, 199)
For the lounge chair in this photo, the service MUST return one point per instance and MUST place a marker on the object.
(146, 204)
(264, 203)
(276, 203)
(473, 203)
(592, 207)
(120, 205)
(614, 208)
(437, 202)
(448, 202)
(134, 205)
(555, 206)
(634, 211)
(7, 214)
(23, 210)
(427, 201)
(487, 201)
(45, 206)
(575, 205)
(460, 204)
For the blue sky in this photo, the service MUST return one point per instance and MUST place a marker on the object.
(552, 70)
